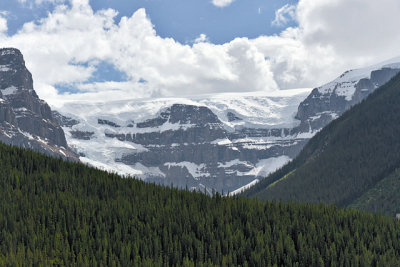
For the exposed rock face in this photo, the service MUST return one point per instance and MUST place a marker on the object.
(64, 121)
(232, 117)
(25, 119)
(327, 102)
(187, 144)
(82, 135)
(107, 122)
(199, 152)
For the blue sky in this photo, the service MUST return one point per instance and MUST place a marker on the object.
(118, 49)
(183, 20)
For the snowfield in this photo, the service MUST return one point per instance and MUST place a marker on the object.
(258, 110)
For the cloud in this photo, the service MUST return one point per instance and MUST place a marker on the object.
(68, 46)
(222, 3)
(284, 14)
(358, 28)
(201, 39)
(3, 24)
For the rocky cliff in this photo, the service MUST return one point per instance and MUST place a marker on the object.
(26, 120)
(329, 101)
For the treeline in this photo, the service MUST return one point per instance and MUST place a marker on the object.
(63, 213)
(347, 159)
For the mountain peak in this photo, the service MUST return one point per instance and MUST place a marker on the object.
(10, 51)
(14, 76)
(26, 120)
(330, 100)
(12, 57)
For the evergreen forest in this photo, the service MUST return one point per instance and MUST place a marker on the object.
(56, 213)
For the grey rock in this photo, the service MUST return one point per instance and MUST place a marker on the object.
(82, 135)
(189, 114)
(63, 120)
(26, 120)
(232, 117)
(318, 109)
(107, 122)
(196, 142)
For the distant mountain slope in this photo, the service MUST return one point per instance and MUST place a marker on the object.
(26, 120)
(57, 213)
(219, 142)
(347, 158)
(383, 198)
(330, 100)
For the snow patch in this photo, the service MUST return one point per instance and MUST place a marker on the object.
(241, 189)
(196, 171)
(221, 142)
(266, 166)
(9, 91)
(4, 68)
(232, 163)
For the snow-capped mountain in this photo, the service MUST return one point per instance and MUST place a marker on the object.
(225, 142)
(26, 120)
(329, 101)
(219, 142)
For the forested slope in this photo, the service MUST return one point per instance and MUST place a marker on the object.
(347, 158)
(63, 213)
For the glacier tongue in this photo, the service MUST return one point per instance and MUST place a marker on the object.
(219, 142)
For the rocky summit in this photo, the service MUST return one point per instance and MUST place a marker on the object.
(26, 120)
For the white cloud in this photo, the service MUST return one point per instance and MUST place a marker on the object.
(332, 36)
(65, 47)
(284, 14)
(201, 39)
(222, 3)
(359, 28)
(3, 25)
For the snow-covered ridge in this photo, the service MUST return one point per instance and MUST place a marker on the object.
(255, 110)
(201, 140)
(345, 84)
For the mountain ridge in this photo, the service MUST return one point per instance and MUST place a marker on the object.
(208, 141)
